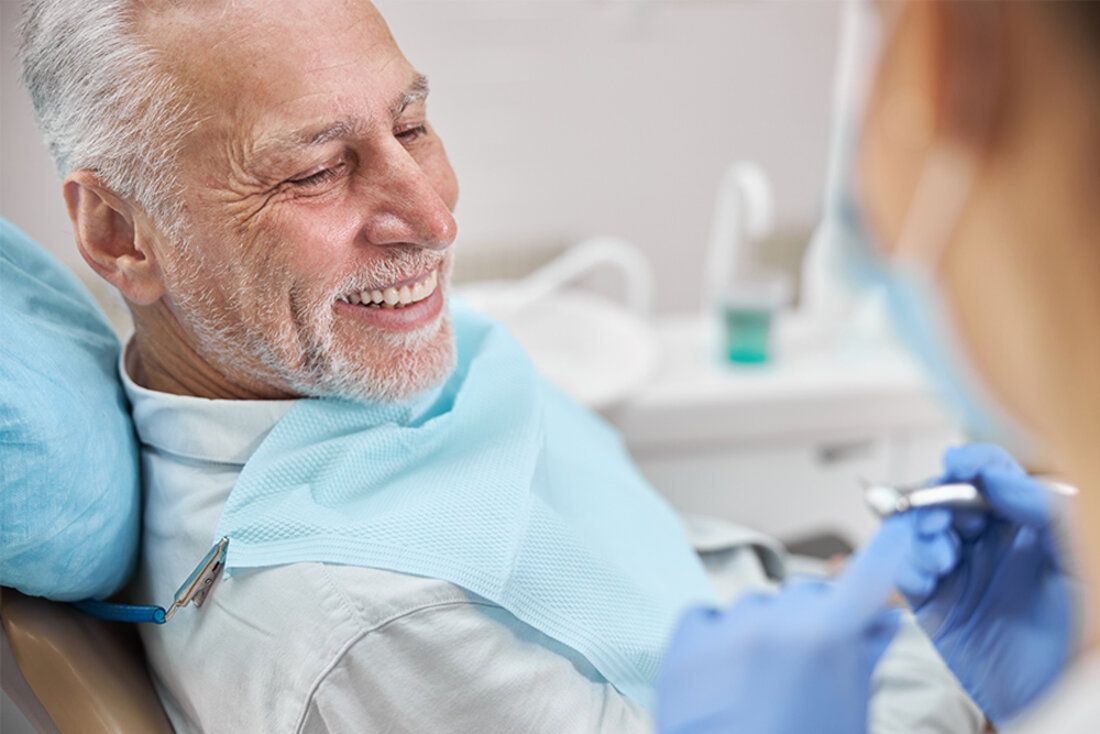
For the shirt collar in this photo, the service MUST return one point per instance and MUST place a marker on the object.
(224, 431)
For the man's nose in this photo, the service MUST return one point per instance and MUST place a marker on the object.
(407, 209)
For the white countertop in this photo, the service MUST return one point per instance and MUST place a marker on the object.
(808, 389)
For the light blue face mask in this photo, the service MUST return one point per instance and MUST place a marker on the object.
(916, 304)
(495, 482)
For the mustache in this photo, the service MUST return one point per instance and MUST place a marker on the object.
(396, 266)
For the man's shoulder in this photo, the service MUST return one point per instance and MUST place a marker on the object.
(355, 597)
(292, 625)
(375, 597)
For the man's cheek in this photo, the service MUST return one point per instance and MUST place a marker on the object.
(438, 169)
(316, 264)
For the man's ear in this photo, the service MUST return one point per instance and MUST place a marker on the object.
(105, 231)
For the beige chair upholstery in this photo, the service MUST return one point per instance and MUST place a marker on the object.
(78, 674)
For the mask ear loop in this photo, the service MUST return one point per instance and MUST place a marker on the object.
(947, 179)
(943, 191)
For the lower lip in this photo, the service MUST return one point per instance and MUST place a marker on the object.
(404, 318)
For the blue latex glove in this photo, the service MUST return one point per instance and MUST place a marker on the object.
(794, 662)
(988, 587)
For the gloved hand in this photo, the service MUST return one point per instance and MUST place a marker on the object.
(989, 587)
(794, 662)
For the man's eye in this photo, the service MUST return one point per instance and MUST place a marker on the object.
(315, 179)
(409, 134)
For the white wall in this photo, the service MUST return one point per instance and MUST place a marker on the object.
(30, 192)
(572, 117)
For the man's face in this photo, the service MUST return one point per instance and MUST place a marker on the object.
(314, 188)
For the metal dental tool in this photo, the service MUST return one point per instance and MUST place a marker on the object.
(887, 499)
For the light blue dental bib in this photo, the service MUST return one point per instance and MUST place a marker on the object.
(495, 482)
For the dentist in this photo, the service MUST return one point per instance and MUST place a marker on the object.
(964, 182)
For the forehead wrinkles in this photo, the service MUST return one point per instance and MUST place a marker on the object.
(246, 62)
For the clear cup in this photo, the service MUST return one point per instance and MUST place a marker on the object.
(746, 314)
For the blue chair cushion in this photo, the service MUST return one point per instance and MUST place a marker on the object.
(69, 492)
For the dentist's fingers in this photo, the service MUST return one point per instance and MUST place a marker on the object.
(969, 524)
(869, 579)
(936, 554)
(1016, 497)
(963, 463)
(880, 634)
(1011, 493)
(932, 520)
(927, 545)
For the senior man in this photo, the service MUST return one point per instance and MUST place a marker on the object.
(259, 180)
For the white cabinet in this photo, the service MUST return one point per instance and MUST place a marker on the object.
(782, 447)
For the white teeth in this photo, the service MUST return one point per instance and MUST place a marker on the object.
(403, 296)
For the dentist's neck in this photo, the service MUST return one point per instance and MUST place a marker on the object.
(1085, 527)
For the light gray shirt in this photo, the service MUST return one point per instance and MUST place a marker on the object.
(313, 647)
(1072, 707)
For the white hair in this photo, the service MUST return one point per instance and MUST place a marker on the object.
(104, 100)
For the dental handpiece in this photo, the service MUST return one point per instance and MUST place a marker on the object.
(886, 499)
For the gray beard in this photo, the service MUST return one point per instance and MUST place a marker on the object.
(301, 356)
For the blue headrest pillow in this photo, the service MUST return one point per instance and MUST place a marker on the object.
(69, 494)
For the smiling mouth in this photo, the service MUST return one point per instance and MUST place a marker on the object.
(395, 296)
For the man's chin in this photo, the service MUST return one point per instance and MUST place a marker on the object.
(393, 366)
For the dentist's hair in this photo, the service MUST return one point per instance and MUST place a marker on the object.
(1081, 17)
(104, 100)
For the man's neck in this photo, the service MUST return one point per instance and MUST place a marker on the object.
(161, 358)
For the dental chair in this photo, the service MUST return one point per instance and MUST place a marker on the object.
(64, 671)
(70, 673)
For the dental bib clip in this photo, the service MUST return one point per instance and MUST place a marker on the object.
(192, 591)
